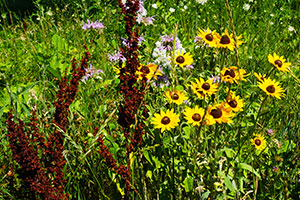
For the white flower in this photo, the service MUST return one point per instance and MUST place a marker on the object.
(271, 23)
(272, 15)
(250, 1)
(291, 29)
(201, 1)
(154, 5)
(246, 7)
(172, 10)
(162, 55)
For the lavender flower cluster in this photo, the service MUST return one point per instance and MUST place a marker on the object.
(95, 25)
(91, 72)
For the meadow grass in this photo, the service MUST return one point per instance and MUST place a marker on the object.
(209, 161)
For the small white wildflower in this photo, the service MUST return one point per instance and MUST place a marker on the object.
(271, 23)
(250, 1)
(154, 5)
(185, 7)
(250, 57)
(49, 13)
(272, 15)
(201, 1)
(281, 8)
(246, 7)
(291, 29)
(172, 10)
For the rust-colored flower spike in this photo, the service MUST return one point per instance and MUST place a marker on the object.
(35, 171)
(133, 95)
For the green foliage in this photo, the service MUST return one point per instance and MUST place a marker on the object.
(187, 162)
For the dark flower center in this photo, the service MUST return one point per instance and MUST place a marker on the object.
(257, 142)
(165, 120)
(196, 117)
(230, 73)
(278, 63)
(209, 37)
(175, 96)
(271, 88)
(225, 39)
(233, 103)
(206, 86)
(180, 59)
(145, 70)
(216, 113)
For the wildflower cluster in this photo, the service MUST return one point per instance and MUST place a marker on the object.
(213, 39)
(163, 49)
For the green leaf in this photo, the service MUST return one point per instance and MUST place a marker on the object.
(149, 174)
(188, 183)
(229, 184)
(146, 154)
(249, 168)
(187, 132)
(157, 162)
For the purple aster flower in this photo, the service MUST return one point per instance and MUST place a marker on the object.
(270, 131)
(189, 67)
(140, 40)
(161, 81)
(125, 42)
(90, 72)
(216, 79)
(167, 42)
(116, 57)
(87, 26)
(186, 102)
(94, 25)
(97, 25)
(145, 20)
(197, 39)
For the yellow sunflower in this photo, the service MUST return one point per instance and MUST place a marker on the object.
(234, 102)
(271, 88)
(194, 116)
(204, 88)
(279, 62)
(182, 59)
(227, 41)
(151, 71)
(230, 74)
(260, 77)
(259, 142)
(165, 120)
(218, 114)
(176, 96)
(209, 37)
